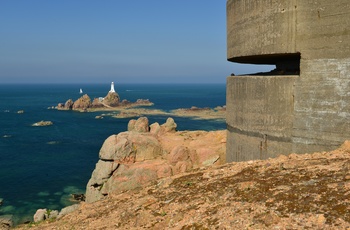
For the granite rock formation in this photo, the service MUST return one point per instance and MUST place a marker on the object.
(6, 222)
(109, 102)
(83, 102)
(144, 153)
(111, 99)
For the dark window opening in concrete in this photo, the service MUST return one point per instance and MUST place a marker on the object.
(284, 64)
(247, 69)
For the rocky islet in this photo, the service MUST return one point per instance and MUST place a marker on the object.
(110, 102)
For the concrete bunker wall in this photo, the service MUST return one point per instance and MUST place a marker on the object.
(304, 112)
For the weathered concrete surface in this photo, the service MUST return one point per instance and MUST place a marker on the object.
(305, 112)
(260, 28)
(259, 115)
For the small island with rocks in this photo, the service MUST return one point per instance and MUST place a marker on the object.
(126, 109)
(43, 123)
(110, 102)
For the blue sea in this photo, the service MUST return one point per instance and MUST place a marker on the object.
(41, 166)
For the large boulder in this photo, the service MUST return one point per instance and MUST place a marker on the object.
(168, 126)
(154, 128)
(40, 215)
(112, 99)
(145, 145)
(69, 104)
(146, 153)
(118, 148)
(120, 151)
(6, 222)
(179, 153)
(82, 103)
(140, 125)
(66, 210)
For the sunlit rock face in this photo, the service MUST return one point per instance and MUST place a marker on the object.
(143, 154)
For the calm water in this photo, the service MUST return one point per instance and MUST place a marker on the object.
(41, 166)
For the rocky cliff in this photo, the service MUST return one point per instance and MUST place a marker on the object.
(146, 153)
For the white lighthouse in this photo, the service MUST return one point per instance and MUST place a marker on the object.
(112, 88)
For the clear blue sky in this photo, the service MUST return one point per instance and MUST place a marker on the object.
(126, 41)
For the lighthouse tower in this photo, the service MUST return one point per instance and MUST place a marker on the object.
(112, 88)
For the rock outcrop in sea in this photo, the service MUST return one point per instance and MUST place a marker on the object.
(43, 123)
(145, 153)
(110, 101)
(83, 102)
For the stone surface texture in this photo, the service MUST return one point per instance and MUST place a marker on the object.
(111, 99)
(6, 222)
(136, 158)
(83, 102)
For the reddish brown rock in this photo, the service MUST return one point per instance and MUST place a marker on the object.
(96, 103)
(40, 215)
(140, 125)
(60, 106)
(118, 148)
(168, 126)
(82, 103)
(147, 146)
(179, 153)
(69, 104)
(154, 128)
(138, 157)
(182, 167)
(129, 177)
(111, 99)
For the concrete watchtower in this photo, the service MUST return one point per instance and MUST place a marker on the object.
(302, 106)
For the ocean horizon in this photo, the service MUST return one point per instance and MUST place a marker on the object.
(40, 167)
